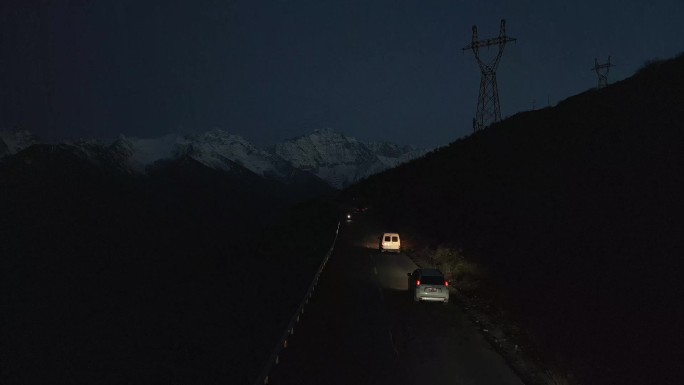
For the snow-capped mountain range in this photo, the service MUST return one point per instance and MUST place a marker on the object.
(337, 159)
(342, 160)
(12, 142)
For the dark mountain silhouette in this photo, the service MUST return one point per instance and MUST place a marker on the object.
(3, 148)
(172, 276)
(577, 213)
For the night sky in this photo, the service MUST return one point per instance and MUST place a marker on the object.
(271, 70)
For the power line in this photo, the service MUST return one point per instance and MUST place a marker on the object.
(602, 72)
(488, 108)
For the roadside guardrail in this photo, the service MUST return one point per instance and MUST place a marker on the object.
(274, 358)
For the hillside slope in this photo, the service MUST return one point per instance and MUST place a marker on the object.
(108, 277)
(576, 211)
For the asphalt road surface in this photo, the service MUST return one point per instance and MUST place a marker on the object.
(362, 327)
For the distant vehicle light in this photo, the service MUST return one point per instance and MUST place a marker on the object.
(348, 216)
(418, 282)
(446, 283)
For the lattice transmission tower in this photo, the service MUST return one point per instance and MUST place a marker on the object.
(488, 109)
(602, 72)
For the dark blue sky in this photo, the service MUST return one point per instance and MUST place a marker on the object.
(271, 70)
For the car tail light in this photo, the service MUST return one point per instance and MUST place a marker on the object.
(446, 283)
(418, 282)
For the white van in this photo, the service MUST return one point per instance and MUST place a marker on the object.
(390, 242)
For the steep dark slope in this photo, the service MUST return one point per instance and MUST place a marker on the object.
(576, 211)
(107, 277)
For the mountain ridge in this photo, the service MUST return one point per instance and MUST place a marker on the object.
(327, 154)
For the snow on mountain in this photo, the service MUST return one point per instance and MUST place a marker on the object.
(12, 142)
(137, 153)
(92, 149)
(215, 149)
(392, 155)
(331, 156)
(219, 150)
(323, 148)
(342, 160)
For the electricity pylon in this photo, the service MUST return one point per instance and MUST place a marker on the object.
(602, 75)
(488, 109)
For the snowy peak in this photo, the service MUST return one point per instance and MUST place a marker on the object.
(215, 149)
(14, 141)
(137, 154)
(342, 160)
(326, 154)
(323, 148)
(219, 150)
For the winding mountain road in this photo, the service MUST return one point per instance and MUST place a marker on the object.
(361, 327)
